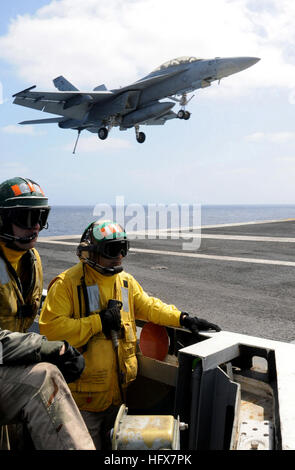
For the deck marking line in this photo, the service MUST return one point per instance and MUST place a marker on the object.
(196, 255)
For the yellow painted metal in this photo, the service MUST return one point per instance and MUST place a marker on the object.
(143, 432)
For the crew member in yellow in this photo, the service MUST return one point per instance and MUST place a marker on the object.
(33, 371)
(23, 214)
(86, 303)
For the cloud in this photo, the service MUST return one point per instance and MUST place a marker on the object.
(273, 137)
(25, 130)
(11, 169)
(287, 159)
(93, 42)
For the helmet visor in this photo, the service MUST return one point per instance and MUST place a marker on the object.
(29, 218)
(114, 248)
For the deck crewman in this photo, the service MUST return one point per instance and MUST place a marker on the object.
(86, 304)
(33, 371)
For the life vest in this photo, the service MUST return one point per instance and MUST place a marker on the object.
(98, 386)
(66, 316)
(20, 299)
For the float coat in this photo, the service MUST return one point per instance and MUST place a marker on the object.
(21, 284)
(63, 317)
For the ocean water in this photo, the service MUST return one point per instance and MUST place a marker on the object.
(72, 220)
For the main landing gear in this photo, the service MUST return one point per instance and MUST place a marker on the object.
(182, 114)
(140, 136)
(103, 133)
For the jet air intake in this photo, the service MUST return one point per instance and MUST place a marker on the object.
(69, 124)
(148, 112)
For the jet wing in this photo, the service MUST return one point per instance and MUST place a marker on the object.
(43, 121)
(160, 121)
(38, 99)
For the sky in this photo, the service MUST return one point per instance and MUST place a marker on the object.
(238, 146)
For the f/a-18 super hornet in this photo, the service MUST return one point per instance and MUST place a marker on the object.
(137, 104)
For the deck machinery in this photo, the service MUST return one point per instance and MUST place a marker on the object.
(226, 392)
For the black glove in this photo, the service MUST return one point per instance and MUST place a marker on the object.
(71, 363)
(110, 320)
(195, 324)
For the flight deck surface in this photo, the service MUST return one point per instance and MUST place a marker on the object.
(241, 277)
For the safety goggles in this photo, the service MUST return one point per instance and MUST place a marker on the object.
(28, 218)
(114, 248)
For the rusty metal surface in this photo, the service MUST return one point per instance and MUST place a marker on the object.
(144, 432)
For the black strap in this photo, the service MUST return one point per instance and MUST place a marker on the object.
(86, 300)
(85, 293)
(79, 300)
(29, 260)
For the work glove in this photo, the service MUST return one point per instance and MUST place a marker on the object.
(71, 363)
(195, 324)
(110, 320)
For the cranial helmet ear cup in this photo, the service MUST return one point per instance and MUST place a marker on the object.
(82, 247)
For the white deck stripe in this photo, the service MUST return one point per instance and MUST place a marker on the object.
(195, 255)
(181, 236)
(184, 235)
(246, 238)
(59, 240)
(218, 258)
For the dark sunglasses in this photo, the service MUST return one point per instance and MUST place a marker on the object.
(28, 218)
(115, 248)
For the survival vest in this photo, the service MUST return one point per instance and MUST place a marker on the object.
(100, 378)
(20, 298)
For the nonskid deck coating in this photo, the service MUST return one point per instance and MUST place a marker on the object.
(243, 283)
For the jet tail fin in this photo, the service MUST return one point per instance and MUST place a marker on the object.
(62, 84)
(100, 88)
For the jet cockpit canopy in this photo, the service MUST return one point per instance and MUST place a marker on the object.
(177, 61)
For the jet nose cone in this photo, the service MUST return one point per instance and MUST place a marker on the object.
(243, 63)
(230, 65)
(236, 64)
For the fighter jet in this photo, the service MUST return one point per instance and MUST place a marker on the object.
(134, 105)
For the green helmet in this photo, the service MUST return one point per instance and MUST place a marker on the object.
(21, 192)
(23, 203)
(103, 238)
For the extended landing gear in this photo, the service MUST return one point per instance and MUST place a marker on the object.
(140, 136)
(103, 133)
(182, 114)
(183, 101)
